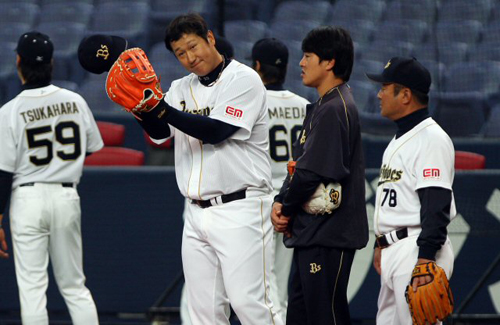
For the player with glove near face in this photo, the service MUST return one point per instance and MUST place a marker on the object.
(218, 116)
(414, 202)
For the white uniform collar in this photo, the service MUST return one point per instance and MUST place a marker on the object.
(37, 92)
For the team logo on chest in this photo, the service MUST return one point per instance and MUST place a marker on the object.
(202, 111)
(388, 174)
(303, 137)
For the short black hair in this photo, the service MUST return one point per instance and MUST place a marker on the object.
(36, 73)
(271, 74)
(420, 97)
(329, 43)
(224, 47)
(191, 23)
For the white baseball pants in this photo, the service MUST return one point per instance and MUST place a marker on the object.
(397, 263)
(227, 257)
(280, 274)
(45, 220)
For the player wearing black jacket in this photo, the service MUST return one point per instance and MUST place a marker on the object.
(328, 150)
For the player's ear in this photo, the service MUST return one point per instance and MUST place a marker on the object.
(256, 65)
(330, 64)
(407, 95)
(211, 38)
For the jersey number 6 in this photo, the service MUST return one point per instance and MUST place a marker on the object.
(274, 143)
(73, 139)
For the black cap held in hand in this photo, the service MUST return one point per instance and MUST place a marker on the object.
(270, 51)
(407, 72)
(35, 47)
(97, 53)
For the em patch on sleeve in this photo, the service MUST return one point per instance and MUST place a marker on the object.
(234, 112)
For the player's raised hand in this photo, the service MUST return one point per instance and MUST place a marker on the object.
(3, 245)
(132, 82)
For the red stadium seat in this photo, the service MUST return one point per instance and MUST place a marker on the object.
(112, 134)
(165, 145)
(469, 160)
(115, 156)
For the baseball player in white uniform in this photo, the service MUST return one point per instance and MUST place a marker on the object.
(45, 133)
(414, 201)
(286, 112)
(218, 116)
(225, 48)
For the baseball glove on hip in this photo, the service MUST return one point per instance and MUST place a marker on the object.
(132, 82)
(325, 199)
(432, 301)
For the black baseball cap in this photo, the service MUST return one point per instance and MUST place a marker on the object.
(97, 53)
(35, 47)
(405, 71)
(270, 51)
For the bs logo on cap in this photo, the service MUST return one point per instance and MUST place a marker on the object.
(97, 53)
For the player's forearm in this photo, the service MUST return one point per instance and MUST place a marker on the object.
(153, 124)
(284, 188)
(300, 189)
(200, 127)
(5, 189)
(435, 217)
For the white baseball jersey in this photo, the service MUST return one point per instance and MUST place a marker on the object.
(44, 134)
(286, 112)
(422, 157)
(220, 233)
(205, 171)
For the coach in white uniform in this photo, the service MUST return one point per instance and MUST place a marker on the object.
(44, 134)
(286, 112)
(218, 116)
(414, 202)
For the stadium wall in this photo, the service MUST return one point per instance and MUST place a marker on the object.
(132, 228)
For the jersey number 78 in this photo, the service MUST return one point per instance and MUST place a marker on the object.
(390, 194)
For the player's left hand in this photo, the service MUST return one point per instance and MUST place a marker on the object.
(3, 245)
(421, 280)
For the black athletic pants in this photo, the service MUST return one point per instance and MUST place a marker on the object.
(318, 288)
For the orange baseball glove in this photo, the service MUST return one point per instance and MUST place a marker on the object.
(132, 82)
(432, 301)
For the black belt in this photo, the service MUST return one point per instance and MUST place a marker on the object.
(224, 198)
(33, 184)
(383, 242)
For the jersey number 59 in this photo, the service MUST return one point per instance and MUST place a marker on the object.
(65, 138)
